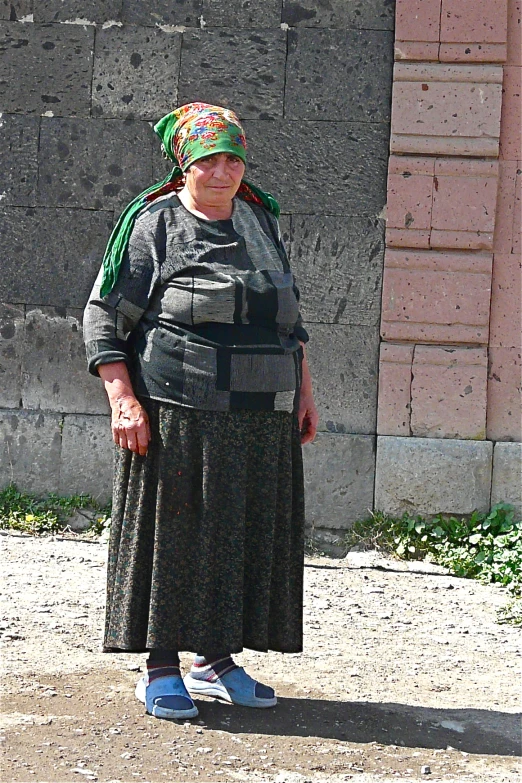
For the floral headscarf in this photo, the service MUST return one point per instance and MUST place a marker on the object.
(189, 133)
(197, 130)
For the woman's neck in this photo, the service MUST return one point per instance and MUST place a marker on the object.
(205, 211)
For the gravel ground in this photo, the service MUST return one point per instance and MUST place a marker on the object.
(405, 675)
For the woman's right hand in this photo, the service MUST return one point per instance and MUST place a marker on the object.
(130, 425)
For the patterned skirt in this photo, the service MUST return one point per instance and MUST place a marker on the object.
(207, 535)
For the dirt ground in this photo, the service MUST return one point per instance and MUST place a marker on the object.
(405, 675)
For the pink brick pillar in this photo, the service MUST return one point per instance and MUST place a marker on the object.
(450, 365)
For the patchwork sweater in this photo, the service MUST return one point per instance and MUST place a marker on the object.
(205, 312)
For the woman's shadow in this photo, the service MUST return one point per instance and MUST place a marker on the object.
(469, 730)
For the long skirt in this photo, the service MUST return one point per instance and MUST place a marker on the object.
(207, 535)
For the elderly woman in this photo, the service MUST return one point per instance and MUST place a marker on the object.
(193, 325)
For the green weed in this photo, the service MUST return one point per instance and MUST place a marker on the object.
(36, 515)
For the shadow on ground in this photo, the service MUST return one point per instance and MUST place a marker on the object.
(469, 730)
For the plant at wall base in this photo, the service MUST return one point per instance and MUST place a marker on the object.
(36, 515)
(487, 547)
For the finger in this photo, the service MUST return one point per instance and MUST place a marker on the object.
(123, 440)
(142, 440)
(132, 443)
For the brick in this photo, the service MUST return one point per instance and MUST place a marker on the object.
(451, 109)
(394, 401)
(511, 133)
(408, 165)
(416, 50)
(97, 164)
(87, 457)
(469, 20)
(517, 212)
(503, 238)
(345, 388)
(435, 476)
(136, 71)
(15, 10)
(409, 201)
(94, 11)
(18, 159)
(436, 297)
(365, 14)
(166, 12)
(464, 203)
(237, 13)
(440, 72)
(30, 446)
(417, 20)
(53, 255)
(466, 167)
(339, 480)
(11, 345)
(439, 145)
(474, 263)
(473, 53)
(339, 166)
(338, 264)
(54, 368)
(504, 421)
(448, 393)
(345, 73)
(46, 69)
(461, 240)
(506, 307)
(403, 237)
(514, 32)
(257, 58)
(506, 486)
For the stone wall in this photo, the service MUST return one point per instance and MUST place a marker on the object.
(450, 414)
(80, 84)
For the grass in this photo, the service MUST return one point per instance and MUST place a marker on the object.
(43, 515)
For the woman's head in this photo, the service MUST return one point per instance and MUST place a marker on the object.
(198, 130)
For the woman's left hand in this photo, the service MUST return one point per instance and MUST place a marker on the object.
(308, 418)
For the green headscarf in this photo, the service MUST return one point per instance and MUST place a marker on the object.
(189, 133)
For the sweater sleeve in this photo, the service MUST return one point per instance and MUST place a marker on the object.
(108, 321)
(299, 330)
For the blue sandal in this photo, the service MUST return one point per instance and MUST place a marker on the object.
(166, 697)
(236, 687)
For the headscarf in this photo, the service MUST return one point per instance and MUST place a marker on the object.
(189, 133)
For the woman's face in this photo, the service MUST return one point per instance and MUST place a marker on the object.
(214, 180)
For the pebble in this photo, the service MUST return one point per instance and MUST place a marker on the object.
(425, 770)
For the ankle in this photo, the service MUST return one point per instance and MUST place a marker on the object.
(216, 665)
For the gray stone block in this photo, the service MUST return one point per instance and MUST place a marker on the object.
(238, 13)
(428, 476)
(11, 346)
(338, 263)
(136, 71)
(18, 159)
(344, 364)
(362, 14)
(243, 70)
(30, 446)
(15, 10)
(46, 69)
(339, 478)
(87, 456)
(333, 168)
(51, 256)
(507, 475)
(96, 11)
(97, 163)
(339, 74)
(285, 224)
(166, 12)
(54, 368)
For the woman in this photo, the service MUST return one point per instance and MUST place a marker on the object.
(193, 326)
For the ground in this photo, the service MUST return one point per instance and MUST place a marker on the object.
(405, 675)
